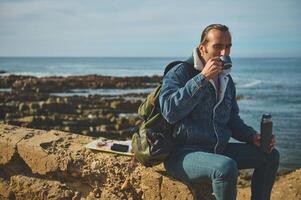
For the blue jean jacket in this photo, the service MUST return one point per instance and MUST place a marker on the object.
(200, 119)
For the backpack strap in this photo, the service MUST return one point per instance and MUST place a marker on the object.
(175, 63)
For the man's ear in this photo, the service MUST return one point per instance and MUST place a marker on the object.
(202, 49)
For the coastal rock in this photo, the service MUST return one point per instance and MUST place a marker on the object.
(23, 107)
(9, 141)
(8, 81)
(63, 84)
(35, 152)
(155, 183)
(91, 115)
(54, 107)
(22, 187)
(37, 164)
(7, 108)
(94, 115)
(156, 187)
(4, 189)
(15, 96)
(57, 161)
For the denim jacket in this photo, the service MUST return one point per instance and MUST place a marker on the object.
(200, 119)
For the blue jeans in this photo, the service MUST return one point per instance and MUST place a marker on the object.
(191, 165)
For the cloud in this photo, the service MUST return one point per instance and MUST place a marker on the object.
(30, 26)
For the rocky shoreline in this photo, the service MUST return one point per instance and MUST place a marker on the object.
(30, 103)
(65, 84)
(42, 137)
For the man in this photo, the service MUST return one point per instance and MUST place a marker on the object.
(201, 104)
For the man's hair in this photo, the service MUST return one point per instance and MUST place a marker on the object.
(220, 27)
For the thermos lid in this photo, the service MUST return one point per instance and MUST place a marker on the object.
(266, 116)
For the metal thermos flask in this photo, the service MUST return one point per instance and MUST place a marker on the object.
(266, 129)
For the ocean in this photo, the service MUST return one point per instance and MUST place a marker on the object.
(267, 85)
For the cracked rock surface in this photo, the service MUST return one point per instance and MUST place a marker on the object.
(38, 164)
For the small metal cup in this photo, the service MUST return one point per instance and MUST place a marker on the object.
(227, 63)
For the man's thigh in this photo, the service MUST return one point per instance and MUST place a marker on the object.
(246, 155)
(194, 165)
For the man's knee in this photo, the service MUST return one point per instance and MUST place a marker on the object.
(227, 169)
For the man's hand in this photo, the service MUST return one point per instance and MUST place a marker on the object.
(212, 68)
(256, 141)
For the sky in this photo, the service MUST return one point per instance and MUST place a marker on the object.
(148, 28)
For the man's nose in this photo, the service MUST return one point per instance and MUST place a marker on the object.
(223, 52)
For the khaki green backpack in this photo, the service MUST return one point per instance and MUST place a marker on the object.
(153, 140)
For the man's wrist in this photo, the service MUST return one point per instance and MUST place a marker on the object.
(205, 77)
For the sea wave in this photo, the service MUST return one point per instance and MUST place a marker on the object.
(251, 84)
(87, 92)
(38, 74)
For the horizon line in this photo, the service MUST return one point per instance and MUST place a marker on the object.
(267, 57)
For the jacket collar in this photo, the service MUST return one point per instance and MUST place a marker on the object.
(223, 77)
